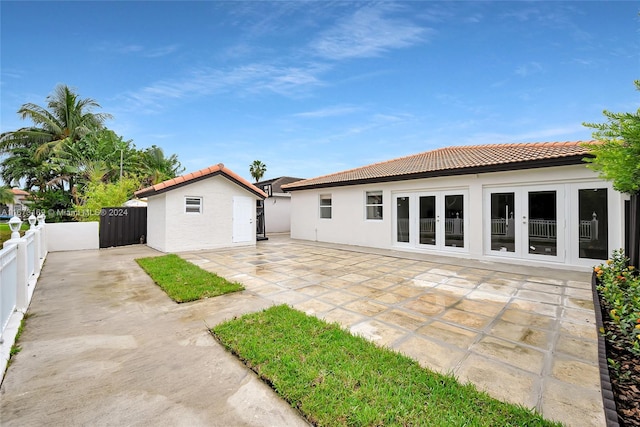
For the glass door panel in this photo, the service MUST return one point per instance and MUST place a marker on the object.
(593, 220)
(427, 216)
(543, 223)
(502, 222)
(454, 220)
(402, 219)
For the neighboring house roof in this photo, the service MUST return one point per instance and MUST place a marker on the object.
(192, 177)
(19, 192)
(277, 183)
(459, 160)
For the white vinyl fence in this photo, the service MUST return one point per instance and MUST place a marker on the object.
(21, 259)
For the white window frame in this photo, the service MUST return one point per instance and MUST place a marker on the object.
(328, 207)
(368, 205)
(187, 205)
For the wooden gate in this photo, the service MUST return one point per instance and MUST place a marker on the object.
(123, 226)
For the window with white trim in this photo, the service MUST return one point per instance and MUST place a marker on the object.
(193, 205)
(373, 205)
(325, 206)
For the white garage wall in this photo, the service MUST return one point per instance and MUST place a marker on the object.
(157, 222)
(188, 231)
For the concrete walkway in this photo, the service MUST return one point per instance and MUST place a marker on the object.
(105, 346)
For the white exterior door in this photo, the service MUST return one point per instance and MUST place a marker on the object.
(434, 220)
(526, 222)
(244, 210)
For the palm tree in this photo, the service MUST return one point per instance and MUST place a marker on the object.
(155, 167)
(6, 196)
(257, 170)
(20, 165)
(66, 119)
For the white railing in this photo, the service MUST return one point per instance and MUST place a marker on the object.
(29, 236)
(8, 290)
(543, 228)
(452, 226)
(427, 225)
(498, 226)
(589, 228)
(21, 259)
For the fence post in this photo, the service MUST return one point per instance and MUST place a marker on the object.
(37, 251)
(22, 281)
(43, 237)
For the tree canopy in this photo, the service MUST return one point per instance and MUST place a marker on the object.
(257, 170)
(66, 156)
(617, 157)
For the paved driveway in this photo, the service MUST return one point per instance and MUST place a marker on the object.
(104, 346)
(524, 335)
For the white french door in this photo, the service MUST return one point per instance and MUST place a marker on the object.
(431, 220)
(526, 222)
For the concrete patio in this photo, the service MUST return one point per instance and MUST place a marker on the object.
(525, 335)
(105, 346)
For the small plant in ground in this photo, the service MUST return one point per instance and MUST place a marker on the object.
(184, 281)
(619, 286)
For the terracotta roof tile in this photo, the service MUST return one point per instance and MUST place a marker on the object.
(449, 160)
(197, 175)
(19, 192)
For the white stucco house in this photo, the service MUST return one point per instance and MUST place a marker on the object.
(207, 209)
(277, 206)
(532, 203)
(20, 204)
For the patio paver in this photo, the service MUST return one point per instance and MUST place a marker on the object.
(525, 335)
(107, 347)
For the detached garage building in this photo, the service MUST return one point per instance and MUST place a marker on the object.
(208, 209)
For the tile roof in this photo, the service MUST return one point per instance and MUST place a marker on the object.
(277, 183)
(179, 181)
(19, 192)
(456, 160)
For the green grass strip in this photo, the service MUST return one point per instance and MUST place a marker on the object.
(336, 379)
(184, 281)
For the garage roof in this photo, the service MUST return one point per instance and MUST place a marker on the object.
(192, 177)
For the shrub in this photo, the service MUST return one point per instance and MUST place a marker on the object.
(619, 287)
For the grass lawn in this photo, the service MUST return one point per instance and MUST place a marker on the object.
(336, 379)
(184, 281)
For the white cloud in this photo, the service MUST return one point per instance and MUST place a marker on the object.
(473, 19)
(132, 49)
(367, 33)
(247, 79)
(161, 51)
(337, 110)
(529, 69)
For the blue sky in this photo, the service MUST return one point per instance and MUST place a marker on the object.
(311, 88)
